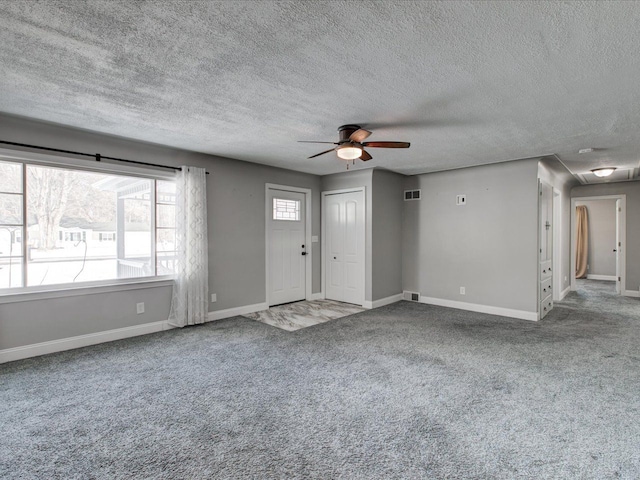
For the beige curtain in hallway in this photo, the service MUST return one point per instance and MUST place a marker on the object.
(582, 241)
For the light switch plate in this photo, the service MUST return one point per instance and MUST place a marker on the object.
(214, 297)
(314, 238)
(140, 308)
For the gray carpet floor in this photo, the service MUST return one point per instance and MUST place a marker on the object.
(403, 391)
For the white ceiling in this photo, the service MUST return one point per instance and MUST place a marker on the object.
(466, 83)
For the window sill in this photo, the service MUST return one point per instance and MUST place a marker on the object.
(59, 291)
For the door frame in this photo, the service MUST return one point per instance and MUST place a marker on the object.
(268, 188)
(557, 244)
(622, 232)
(323, 231)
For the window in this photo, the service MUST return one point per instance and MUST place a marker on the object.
(165, 227)
(82, 226)
(284, 209)
(107, 236)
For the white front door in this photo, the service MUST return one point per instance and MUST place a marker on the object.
(287, 248)
(344, 246)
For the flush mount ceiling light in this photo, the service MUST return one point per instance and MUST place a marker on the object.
(348, 151)
(603, 172)
(585, 150)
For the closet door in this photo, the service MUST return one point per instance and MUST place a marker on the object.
(344, 246)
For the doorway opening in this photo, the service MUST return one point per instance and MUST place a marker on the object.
(598, 243)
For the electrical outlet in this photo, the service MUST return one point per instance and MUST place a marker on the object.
(463, 291)
(214, 297)
(140, 308)
(565, 278)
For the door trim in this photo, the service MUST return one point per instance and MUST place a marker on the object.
(268, 187)
(622, 234)
(323, 231)
(557, 244)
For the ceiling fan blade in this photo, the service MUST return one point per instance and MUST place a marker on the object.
(359, 135)
(309, 141)
(387, 144)
(365, 156)
(321, 153)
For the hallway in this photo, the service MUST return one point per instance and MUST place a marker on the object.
(600, 296)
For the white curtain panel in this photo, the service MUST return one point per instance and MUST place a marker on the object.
(189, 304)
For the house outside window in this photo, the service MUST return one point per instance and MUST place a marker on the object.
(82, 226)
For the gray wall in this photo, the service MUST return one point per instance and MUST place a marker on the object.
(601, 258)
(388, 206)
(488, 246)
(632, 191)
(236, 195)
(352, 179)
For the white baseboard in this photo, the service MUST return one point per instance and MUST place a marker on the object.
(565, 292)
(37, 349)
(632, 293)
(316, 296)
(474, 307)
(383, 301)
(234, 312)
(609, 278)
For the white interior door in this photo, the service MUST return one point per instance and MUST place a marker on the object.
(344, 246)
(617, 246)
(287, 248)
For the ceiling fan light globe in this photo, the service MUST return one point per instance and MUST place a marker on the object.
(349, 152)
(603, 172)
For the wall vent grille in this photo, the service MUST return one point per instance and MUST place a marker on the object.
(412, 195)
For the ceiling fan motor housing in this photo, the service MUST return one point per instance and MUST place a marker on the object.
(345, 132)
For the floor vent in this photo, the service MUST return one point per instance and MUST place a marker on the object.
(412, 296)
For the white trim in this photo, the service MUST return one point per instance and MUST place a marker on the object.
(323, 230)
(344, 190)
(37, 349)
(474, 307)
(316, 296)
(610, 278)
(631, 293)
(236, 311)
(383, 301)
(557, 243)
(622, 234)
(307, 234)
(71, 290)
(565, 292)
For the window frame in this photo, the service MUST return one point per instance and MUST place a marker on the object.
(26, 293)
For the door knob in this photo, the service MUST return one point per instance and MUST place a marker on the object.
(335, 258)
(615, 250)
(304, 253)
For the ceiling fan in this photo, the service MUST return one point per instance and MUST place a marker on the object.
(351, 144)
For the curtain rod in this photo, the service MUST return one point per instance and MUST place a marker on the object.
(96, 156)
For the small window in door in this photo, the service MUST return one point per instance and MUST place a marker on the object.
(285, 209)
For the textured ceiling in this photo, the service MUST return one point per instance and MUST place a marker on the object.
(466, 83)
